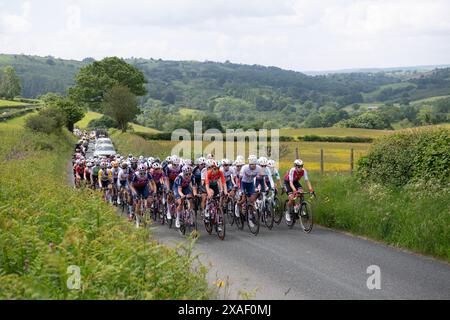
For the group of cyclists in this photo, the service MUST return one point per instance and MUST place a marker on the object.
(137, 183)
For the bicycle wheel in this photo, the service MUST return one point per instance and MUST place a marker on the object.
(268, 215)
(291, 223)
(253, 219)
(230, 211)
(161, 212)
(170, 210)
(306, 217)
(241, 220)
(182, 228)
(277, 213)
(153, 212)
(192, 223)
(208, 223)
(220, 224)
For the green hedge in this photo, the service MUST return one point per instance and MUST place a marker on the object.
(408, 156)
(335, 139)
(15, 114)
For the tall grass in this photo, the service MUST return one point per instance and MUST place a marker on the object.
(46, 226)
(415, 217)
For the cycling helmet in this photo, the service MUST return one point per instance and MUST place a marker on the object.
(271, 163)
(109, 165)
(169, 159)
(187, 169)
(226, 162)
(298, 162)
(156, 166)
(89, 165)
(201, 160)
(175, 160)
(158, 160)
(124, 165)
(130, 156)
(210, 157)
(211, 163)
(188, 162)
(102, 165)
(262, 161)
(151, 160)
(240, 158)
(252, 160)
(141, 168)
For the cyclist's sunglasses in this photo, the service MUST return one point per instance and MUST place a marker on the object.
(299, 166)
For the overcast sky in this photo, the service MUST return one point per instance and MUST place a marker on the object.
(299, 35)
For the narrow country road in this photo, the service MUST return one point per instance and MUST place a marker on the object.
(288, 264)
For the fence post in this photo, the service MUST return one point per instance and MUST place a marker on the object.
(296, 153)
(352, 163)
(321, 161)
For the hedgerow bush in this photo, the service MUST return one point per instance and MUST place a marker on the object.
(409, 156)
(335, 139)
(47, 226)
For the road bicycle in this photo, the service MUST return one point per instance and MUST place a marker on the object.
(159, 207)
(170, 210)
(216, 217)
(188, 218)
(143, 214)
(264, 206)
(229, 204)
(300, 211)
(248, 213)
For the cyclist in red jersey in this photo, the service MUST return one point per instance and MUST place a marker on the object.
(215, 182)
(292, 183)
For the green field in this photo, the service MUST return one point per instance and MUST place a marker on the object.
(338, 132)
(431, 99)
(18, 122)
(8, 103)
(82, 124)
(373, 95)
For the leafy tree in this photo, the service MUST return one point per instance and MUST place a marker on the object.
(314, 120)
(94, 80)
(368, 120)
(71, 111)
(210, 121)
(103, 122)
(9, 83)
(50, 98)
(48, 120)
(121, 104)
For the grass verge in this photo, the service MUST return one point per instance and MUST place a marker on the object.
(416, 217)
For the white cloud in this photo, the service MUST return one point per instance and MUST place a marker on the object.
(16, 23)
(73, 18)
(293, 34)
